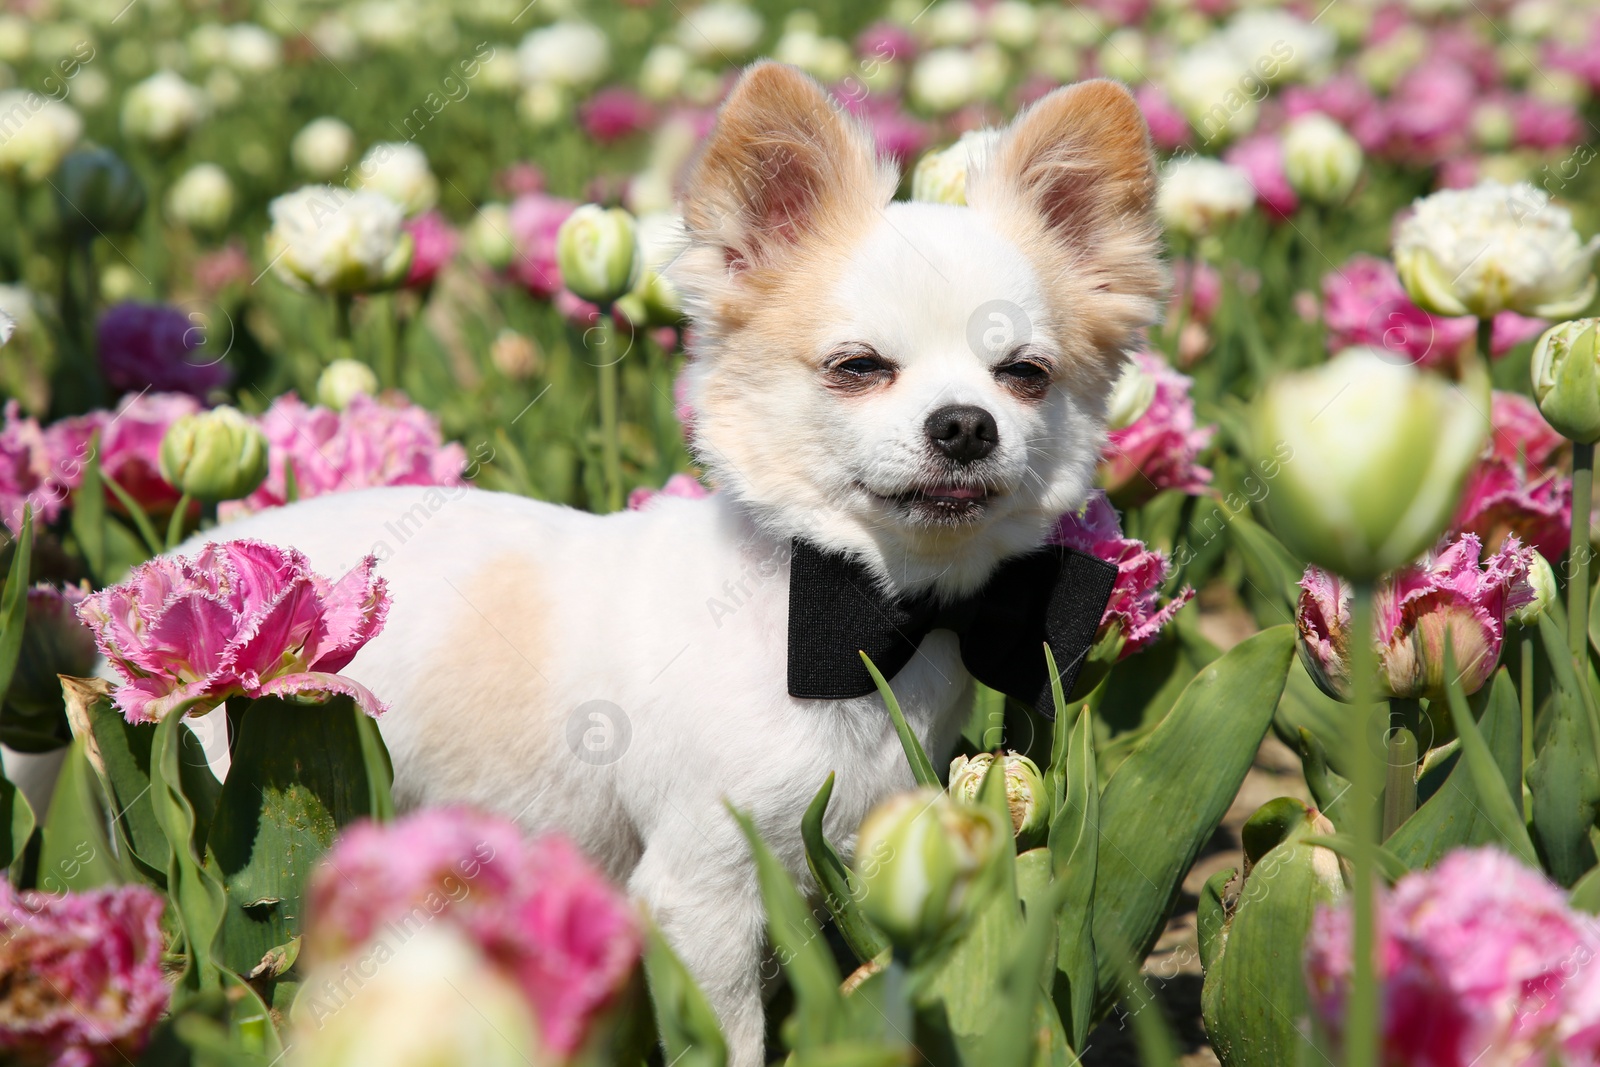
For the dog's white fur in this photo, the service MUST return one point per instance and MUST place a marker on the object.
(512, 618)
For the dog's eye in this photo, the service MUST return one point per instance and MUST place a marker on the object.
(1027, 378)
(1023, 370)
(861, 365)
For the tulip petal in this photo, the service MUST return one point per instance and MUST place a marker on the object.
(354, 610)
(320, 684)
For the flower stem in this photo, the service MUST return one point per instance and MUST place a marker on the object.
(175, 524)
(1361, 1015)
(343, 343)
(1486, 339)
(1400, 780)
(1578, 554)
(609, 387)
(1527, 702)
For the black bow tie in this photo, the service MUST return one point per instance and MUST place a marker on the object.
(836, 612)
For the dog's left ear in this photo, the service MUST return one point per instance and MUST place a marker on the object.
(1076, 170)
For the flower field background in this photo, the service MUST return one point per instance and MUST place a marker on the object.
(254, 253)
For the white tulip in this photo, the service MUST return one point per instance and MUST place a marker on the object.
(202, 199)
(1131, 396)
(1198, 194)
(1278, 45)
(940, 176)
(399, 170)
(1495, 248)
(323, 147)
(722, 28)
(338, 241)
(1013, 23)
(945, 79)
(342, 381)
(571, 54)
(662, 72)
(162, 109)
(253, 49)
(35, 133)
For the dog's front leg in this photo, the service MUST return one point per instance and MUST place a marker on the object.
(707, 903)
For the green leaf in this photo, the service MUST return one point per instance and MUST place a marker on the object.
(1254, 994)
(119, 752)
(1009, 1040)
(1455, 816)
(1267, 563)
(1327, 788)
(1305, 707)
(196, 892)
(141, 521)
(379, 768)
(1499, 809)
(797, 941)
(1564, 779)
(14, 602)
(1211, 916)
(921, 769)
(1167, 798)
(73, 851)
(1074, 852)
(1585, 894)
(89, 514)
(840, 889)
(690, 1036)
(16, 822)
(296, 779)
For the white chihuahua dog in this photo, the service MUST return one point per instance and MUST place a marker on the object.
(917, 388)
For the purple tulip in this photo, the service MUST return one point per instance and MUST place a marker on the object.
(153, 346)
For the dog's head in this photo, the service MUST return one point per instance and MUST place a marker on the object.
(919, 384)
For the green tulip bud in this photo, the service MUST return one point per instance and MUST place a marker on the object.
(597, 250)
(488, 237)
(97, 193)
(214, 455)
(1321, 160)
(202, 199)
(919, 856)
(342, 381)
(1543, 580)
(1026, 796)
(1371, 456)
(1566, 378)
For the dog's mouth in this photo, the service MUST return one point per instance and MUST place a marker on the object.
(945, 504)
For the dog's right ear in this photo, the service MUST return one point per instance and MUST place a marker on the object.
(782, 168)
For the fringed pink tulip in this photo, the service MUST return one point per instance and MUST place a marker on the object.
(615, 113)
(1169, 129)
(239, 618)
(25, 471)
(685, 486)
(1483, 964)
(1516, 489)
(1261, 158)
(81, 981)
(1448, 594)
(1159, 450)
(371, 442)
(1135, 605)
(1364, 304)
(536, 908)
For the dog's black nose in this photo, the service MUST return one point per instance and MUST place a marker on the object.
(963, 432)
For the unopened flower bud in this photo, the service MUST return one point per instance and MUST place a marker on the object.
(323, 147)
(97, 193)
(1542, 580)
(162, 109)
(919, 856)
(940, 176)
(1026, 795)
(202, 199)
(214, 455)
(597, 251)
(1566, 378)
(488, 237)
(342, 381)
(1321, 160)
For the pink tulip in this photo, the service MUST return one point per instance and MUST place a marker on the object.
(1169, 129)
(1544, 125)
(1517, 488)
(371, 442)
(899, 135)
(536, 908)
(520, 179)
(1577, 53)
(238, 618)
(1261, 157)
(1196, 291)
(81, 979)
(130, 447)
(612, 114)
(25, 476)
(886, 41)
(1159, 450)
(1429, 114)
(684, 486)
(1483, 962)
(435, 242)
(1445, 594)
(54, 642)
(1344, 98)
(227, 266)
(153, 346)
(535, 218)
(1135, 606)
(1365, 304)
